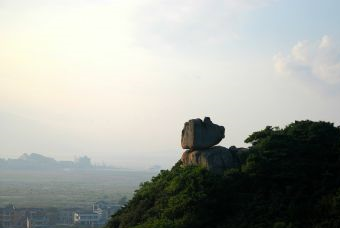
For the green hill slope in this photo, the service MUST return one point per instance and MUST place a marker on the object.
(289, 178)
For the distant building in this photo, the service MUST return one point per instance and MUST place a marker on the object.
(11, 217)
(38, 220)
(105, 210)
(88, 218)
(83, 162)
(7, 216)
(66, 217)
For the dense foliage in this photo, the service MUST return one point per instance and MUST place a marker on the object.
(289, 178)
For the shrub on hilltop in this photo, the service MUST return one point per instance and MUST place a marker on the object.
(290, 177)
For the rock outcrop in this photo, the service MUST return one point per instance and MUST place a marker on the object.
(198, 134)
(200, 138)
(216, 159)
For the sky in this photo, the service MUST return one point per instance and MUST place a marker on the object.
(117, 79)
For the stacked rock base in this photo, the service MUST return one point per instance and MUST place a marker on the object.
(199, 138)
(216, 159)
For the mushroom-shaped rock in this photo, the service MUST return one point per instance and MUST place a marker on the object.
(216, 159)
(198, 134)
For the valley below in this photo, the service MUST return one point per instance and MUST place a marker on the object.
(68, 188)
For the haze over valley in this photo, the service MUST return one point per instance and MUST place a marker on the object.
(169, 113)
(38, 181)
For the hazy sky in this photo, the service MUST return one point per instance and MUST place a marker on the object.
(117, 79)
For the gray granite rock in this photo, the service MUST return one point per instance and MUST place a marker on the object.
(198, 134)
(216, 159)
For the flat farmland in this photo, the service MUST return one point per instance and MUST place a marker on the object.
(67, 188)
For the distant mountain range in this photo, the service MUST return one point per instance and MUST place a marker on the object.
(39, 162)
(36, 161)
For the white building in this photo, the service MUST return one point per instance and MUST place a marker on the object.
(87, 218)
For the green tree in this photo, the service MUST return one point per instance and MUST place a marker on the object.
(290, 177)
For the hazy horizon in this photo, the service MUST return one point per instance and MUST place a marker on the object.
(116, 80)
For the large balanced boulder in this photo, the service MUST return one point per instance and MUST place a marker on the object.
(198, 134)
(216, 159)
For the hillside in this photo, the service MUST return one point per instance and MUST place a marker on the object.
(290, 177)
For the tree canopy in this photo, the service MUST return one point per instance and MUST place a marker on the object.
(290, 177)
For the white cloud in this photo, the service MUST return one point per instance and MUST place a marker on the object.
(325, 42)
(318, 60)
